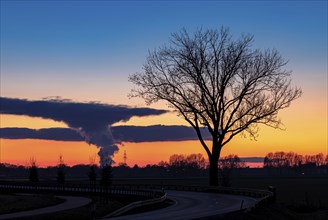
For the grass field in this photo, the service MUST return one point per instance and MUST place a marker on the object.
(16, 203)
(81, 213)
(10, 203)
(292, 191)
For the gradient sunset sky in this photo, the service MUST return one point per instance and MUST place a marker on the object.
(85, 50)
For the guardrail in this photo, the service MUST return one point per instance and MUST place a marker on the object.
(256, 193)
(262, 197)
(136, 205)
(80, 189)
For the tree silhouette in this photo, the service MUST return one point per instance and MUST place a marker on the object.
(212, 80)
(92, 172)
(191, 164)
(277, 159)
(282, 160)
(33, 171)
(106, 175)
(92, 175)
(227, 165)
(106, 180)
(61, 171)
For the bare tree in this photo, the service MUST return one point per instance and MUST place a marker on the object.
(320, 159)
(191, 164)
(291, 159)
(33, 171)
(227, 165)
(317, 159)
(215, 81)
(106, 180)
(61, 171)
(92, 172)
(196, 160)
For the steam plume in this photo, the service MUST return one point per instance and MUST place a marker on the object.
(91, 120)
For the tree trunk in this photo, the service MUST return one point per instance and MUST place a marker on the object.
(214, 177)
(214, 160)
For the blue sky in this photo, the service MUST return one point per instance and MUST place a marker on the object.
(76, 44)
(85, 51)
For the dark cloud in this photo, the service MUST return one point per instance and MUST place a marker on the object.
(156, 133)
(88, 116)
(92, 120)
(121, 133)
(56, 134)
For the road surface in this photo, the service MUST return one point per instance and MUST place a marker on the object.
(192, 205)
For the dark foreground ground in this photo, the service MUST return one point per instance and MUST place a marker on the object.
(274, 212)
(312, 191)
(22, 202)
(297, 198)
(298, 192)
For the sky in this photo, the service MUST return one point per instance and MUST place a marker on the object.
(84, 51)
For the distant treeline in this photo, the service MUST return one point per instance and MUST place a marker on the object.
(291, 159)
(193, 165)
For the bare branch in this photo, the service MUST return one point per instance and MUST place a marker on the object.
(216, 81)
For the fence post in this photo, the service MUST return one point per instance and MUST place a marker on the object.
(241, 205)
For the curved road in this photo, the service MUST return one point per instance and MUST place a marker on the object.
(191, 205)
(70, 203)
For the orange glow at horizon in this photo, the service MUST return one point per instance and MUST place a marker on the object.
(305, 122)
(46, 152)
